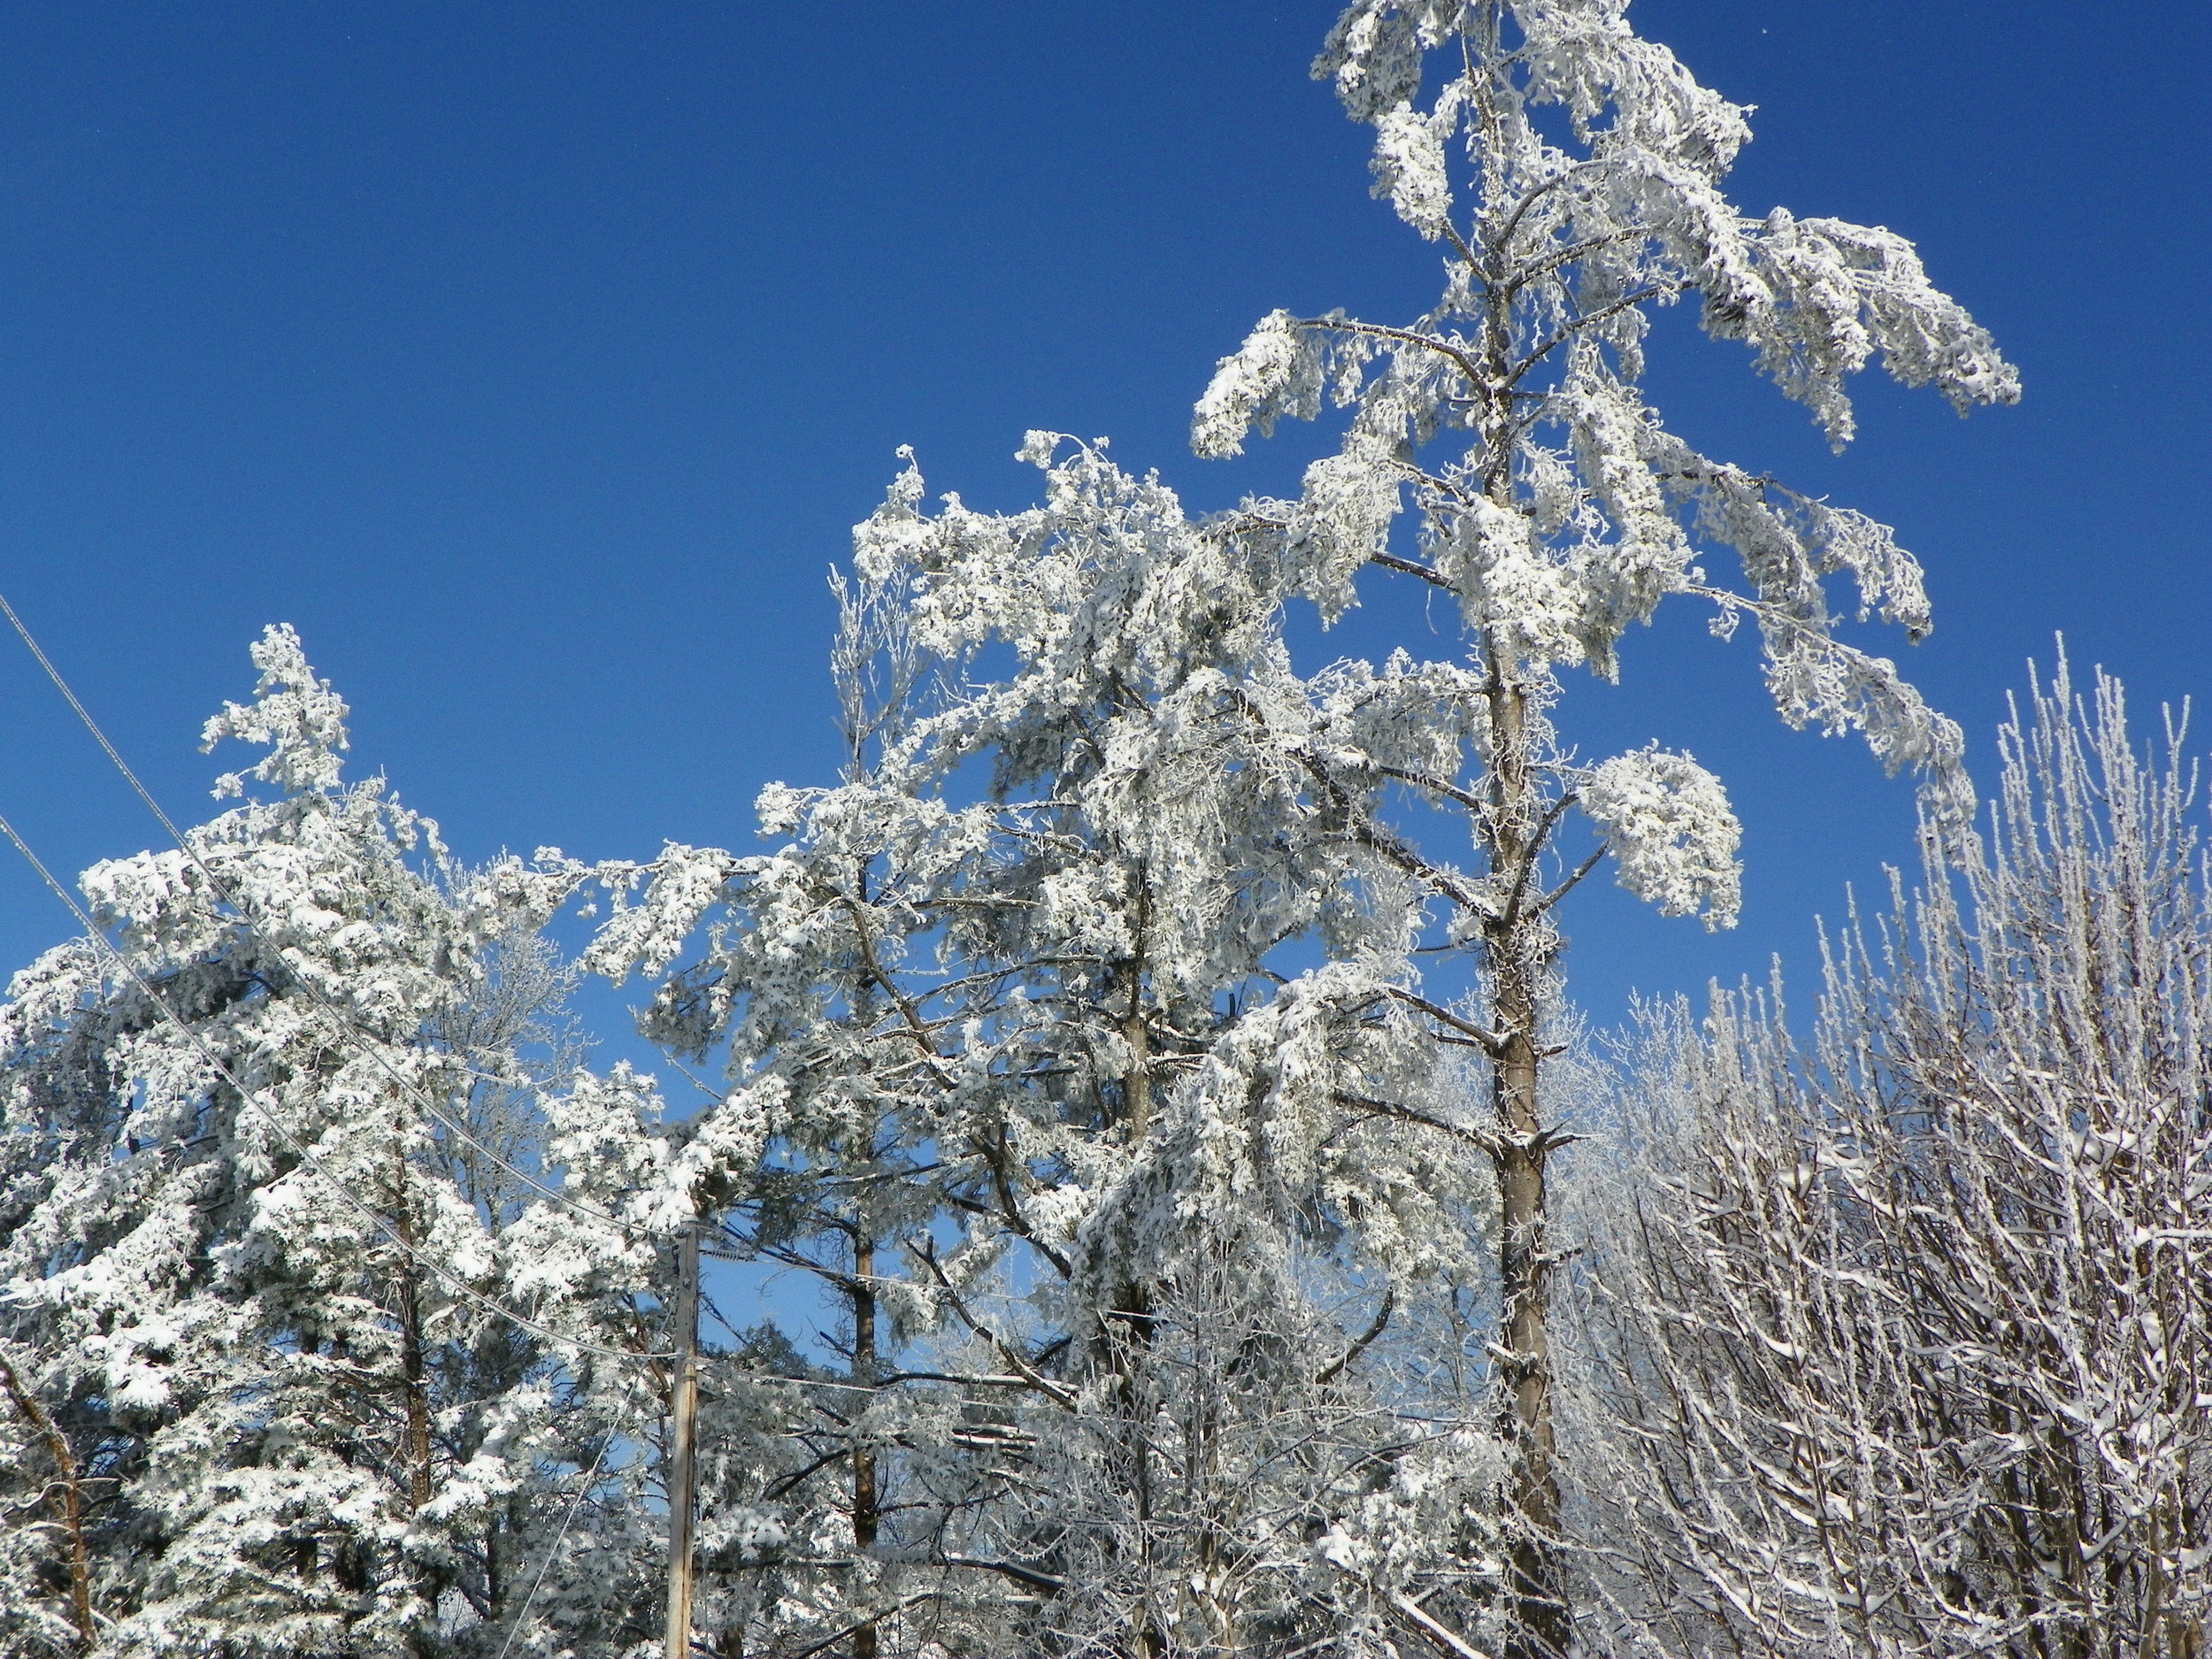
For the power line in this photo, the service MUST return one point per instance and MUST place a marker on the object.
(583, 1490)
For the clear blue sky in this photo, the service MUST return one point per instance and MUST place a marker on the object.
(533, 359)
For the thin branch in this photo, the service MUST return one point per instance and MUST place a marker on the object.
(793, 1480)
(1568, 886)
(1414, 1114)
(1012, 1570)
(1365, 1341)
(1544, 827)
(874, 1616)
(1426, 1623)
(1010, 1209)
(1536, 194)
(1566, 255)
(1403, 336)
(1568, 330)
(926, 1254)
(1444, 881)
(918, 1028)
(1484, 1039)
(1411, 567)
(1444, 787)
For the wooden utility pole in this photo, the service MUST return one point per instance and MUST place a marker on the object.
(683, 1452)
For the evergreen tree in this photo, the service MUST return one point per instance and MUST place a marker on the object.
(1013, 983)
(1572, 173)
(270, 1184)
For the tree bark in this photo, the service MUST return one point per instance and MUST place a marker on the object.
(1130, 1323)
(1518, 956)
(70, 1500)
(414, 1385)
(867, 1512)
(682, 1452)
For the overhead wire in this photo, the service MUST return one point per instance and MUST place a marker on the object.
(568, 1514)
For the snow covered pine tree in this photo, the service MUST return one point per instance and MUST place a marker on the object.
(1059, 987)
(271, 1161)
(1147, 1231)
(1560, 511)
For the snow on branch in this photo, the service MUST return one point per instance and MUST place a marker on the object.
(1672, 833)
(301, 720)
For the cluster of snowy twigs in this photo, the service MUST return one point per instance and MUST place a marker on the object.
(1903, 1344)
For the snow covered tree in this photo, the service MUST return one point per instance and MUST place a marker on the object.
(1013, 980)
(1906, 1338)
(1571, 172)
(269, 1185)
(1081, 1038)
(1124, 948)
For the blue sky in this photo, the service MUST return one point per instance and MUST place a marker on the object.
(534, 359)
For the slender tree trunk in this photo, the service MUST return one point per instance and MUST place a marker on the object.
(1518, 957)
(867, 1513)
(1130, 1323)
(494, 1581)
(1518, 951)
(413, 1371)
(414, 1381)
(867, 1495)
(69, 1499)
(1137, 1081)
(683, 1409)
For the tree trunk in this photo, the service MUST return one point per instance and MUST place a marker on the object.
(415, 1454)
(683, 1408)
(867, 1512)
(66, 1494)
(1130, 1321)
(1518, 954)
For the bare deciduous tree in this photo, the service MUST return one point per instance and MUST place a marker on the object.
(1904, 1342)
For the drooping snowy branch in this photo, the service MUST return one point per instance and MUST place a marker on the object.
(1672, 832)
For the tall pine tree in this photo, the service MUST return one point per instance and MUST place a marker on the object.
(1572, 172)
